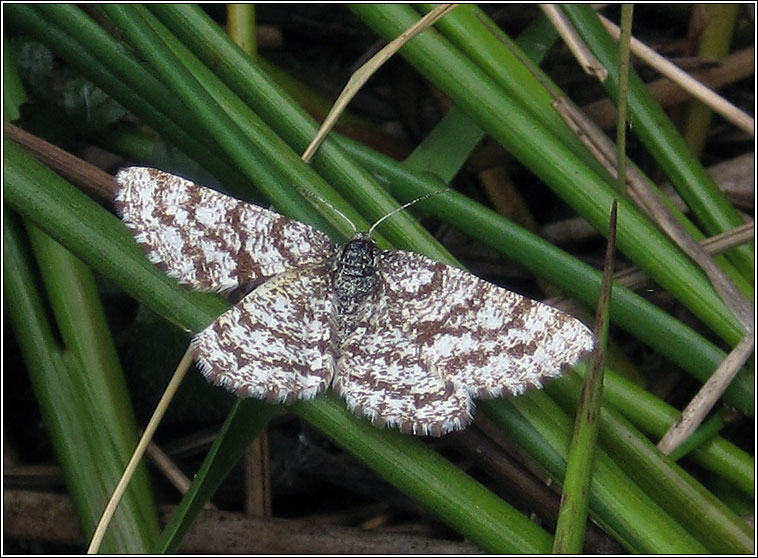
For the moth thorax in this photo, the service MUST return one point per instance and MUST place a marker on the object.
(355, 273)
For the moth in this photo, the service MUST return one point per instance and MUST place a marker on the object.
(407, 341)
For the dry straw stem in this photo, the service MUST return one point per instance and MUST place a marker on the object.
(139, 451)
(687, 82)
(724, 241)
(706, 398)
(633, 278)
(362, 74)
(734, 176)
(584, 56)
(729, 69)
(644, 196)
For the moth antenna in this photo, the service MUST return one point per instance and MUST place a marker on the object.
(317, 197)
(410, 203)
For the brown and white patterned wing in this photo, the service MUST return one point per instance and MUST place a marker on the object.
(210, 241)
(382, 376)
(276, 343)
(484, 339)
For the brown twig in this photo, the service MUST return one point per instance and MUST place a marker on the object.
(171, 470)
(40, 516)
(95, 182)
(258, 477)
(52, 517)
(31, 477)
(217, 532)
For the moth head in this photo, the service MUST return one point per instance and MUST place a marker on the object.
(359, 252)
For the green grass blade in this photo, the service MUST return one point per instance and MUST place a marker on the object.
(709, 204)
(672, 488)
(620, 506)
(504, 61)
(572, 517)
(447, 147)
(472, 31)
(101, 240)
(89, 366)
(74, 401)
(649, 413)
(71, 34)
(222, 129)
(104, 241)
(243, 424)
(438, 485)
(14, 94)
(714, 40)
(653, 416)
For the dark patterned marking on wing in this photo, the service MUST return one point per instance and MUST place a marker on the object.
(210, 241)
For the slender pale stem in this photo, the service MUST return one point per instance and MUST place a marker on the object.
(720, 105)
(147, 436)
(362, 74)
(706, 398)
